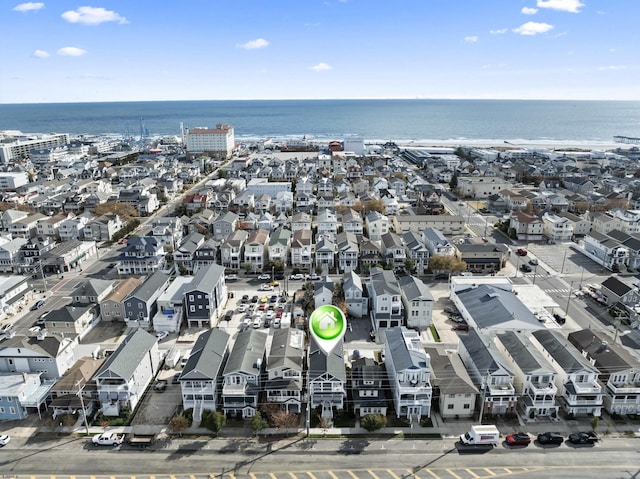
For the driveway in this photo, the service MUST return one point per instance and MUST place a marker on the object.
(157, 408)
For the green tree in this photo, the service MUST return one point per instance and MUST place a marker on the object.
(284, 420)
(179, 423)
(214, 421)
(248, 267)
(453, 184)
(410, 265)
(373, 422)
(258, 422)
(595, 422)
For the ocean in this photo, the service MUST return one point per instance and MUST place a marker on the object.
(323, 120)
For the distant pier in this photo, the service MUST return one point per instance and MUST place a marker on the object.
(626, 139)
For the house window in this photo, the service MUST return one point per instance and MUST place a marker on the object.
(12, 410)
(449, 406)
(1, 410)
(192, 308)
(467, 406)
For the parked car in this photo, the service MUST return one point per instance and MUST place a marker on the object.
(264, 277)
(35, 329)
(161, 335)
(526, 268)
(297, 277)
(231, 277)
(583, 438)
(273, 299)
(521, 252)
(274, 283)
(550, 438)
(4, 439)
(451, 310)
(441, 276)
(533, 262)
(176, 378)
(160, 385)
(279, 276)
(38, 304)
(560, 318)
(6, 328)
(461, 327)
(254, 299)
(245, 298)
(242, 308)
(265, 287)
(518, 439)
(257, 321)
(312, 277)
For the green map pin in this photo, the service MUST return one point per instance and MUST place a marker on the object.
(327, 325)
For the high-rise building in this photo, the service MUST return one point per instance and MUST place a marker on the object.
(217, 142)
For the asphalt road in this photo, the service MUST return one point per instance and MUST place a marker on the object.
(322, 458)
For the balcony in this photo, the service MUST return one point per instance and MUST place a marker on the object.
(543, 389)
(584, 388)
(624, 388)
(501, 390)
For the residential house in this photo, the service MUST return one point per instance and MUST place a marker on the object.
(484, 258)
(140, 306)
(527, 227)
(142, 255)
(327, 223)
(233, 249)
(26, 227)
(170, 305)
(354, 295)
(619, 370)
(10, 253)
(10, 216)
(50, 225)
(418, 302)
(535, 378)
(409, 373)
(255, 249)
(352, 222)
(489, 372)
(327, 378)
(581, 226)
(91, 291)
(112, 307)
(556, 228)
(279, 245)
(102, 228)
(71, 320)
(370, 255)
(302, 250)
(368, 380)
(576, 379)
(224, 225)
(205, 254)
(377, 225)
(45, 354)
(285, 370)
(21, 393)
(480, 187)
(325, 255)
(437, 243)
(168, 230)
(393, 251)
(205, 297)
(614, 290)
(385, 299)
(607, 251)
(65, 393)
(125, 375)
(416, 251)
(184, 254)
(453, 390)
(242, 377)
(448, 224)
(200, 377)
(348, 252)
(300, 221)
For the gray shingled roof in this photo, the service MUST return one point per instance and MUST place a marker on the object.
(562, 351)
(448, 372)
(207, 356)
(483, 353)
(206, 278)
(495, 308)
(92, 287)
(404, 357)
(415, 289)
(321, 363)
(124, 360)
(609, 357)
(528, 359)
(284, 352)
(247, 353)
(150, 287)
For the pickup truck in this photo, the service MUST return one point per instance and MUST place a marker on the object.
(108, 439)
(141, 440)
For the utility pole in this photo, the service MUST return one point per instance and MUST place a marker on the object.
(84, 411)
(566, 311)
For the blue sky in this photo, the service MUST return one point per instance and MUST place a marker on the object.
(61, 51)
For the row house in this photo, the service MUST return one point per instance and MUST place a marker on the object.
(418, 302)
(300, 221)
(242, 375)
(142, 255)
(393, 250)
(199, 378)
(385, 298)
(352, 222)
(348, 252)
(255, 249)
(619, 371)
(408, 370)
(140, 305)
(489, 372)
(448, 224)
(437, 243)
(355, 295)
(367, 387)
(556, 228)
(112, 307)
(103, 228)
(123, 378)
(535, 378)
(205, 297)
(576, 378)
(26, 227)
(608, 251)
(279, 245)
(302, 250)
(170, 306)
(626, 221)
(224, 225)
(183, 255)
(453, 389)
(527, 227)
(325, 251)
(416, 251)
(327, 378)
(377, 225)
(233, 249)
(285, 370)
(10, 254)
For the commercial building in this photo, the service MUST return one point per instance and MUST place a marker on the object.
(218, 141)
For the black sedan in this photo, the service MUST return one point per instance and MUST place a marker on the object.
(526, 268)
(518, 439)
(583, 438)
(550, 438)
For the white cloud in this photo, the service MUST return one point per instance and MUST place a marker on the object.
(41, 54)
(533, 28)
(71, 52)
(28, 7)
(93, 16)
(500, 31)
(572, 6)
(255, 44)
(471, 39)
(321, 67)
(529, 11)
(613, 67)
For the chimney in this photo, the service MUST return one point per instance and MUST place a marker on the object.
(25, 376)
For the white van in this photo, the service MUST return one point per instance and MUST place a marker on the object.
(185, 358)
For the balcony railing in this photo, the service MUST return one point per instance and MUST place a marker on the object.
(546, 388)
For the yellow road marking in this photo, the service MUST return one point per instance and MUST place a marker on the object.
(252, 475)
(333, 476)
(293, 476)
(310, 474)
(490, 472)
(272, 475)
(450, 471)
(352, 474)
(373, 474)
(393, 474)
(433, 474)
(508, 470)
(472, 473)
(231, 475)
